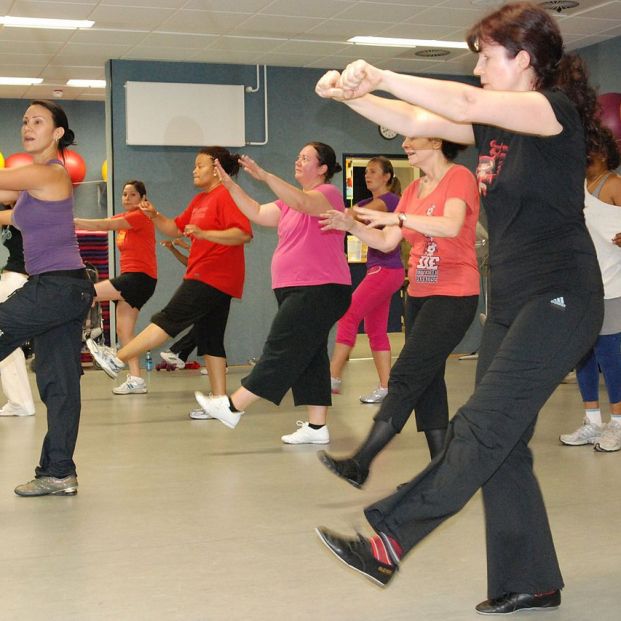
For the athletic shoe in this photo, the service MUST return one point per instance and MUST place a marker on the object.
(172, 359)
(204, 371)
(347, 469)
(587, 433)
(512, 602)
(106, 358)
(610, 440)
(377, 396)
(218, 407)
(131, 386)
(307, 435)
(335, 385)
(49, 486)
(9, 409)
(358, 555)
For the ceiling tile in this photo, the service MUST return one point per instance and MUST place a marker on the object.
(55, 10)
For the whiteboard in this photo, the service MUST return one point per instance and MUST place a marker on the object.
(189, 115)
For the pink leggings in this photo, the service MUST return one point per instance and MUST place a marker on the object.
(371, 302)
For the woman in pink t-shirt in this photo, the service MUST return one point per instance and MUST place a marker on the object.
(437, 215)
(312, 284)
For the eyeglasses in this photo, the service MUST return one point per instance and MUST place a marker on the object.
(304, 158)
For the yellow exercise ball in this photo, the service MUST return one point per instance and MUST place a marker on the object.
(1, 160)
(104, 170)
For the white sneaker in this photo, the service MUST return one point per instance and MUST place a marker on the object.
(335, 385)
(200, 414)
(587, 433)
(9, 409)
(218, 407)
(307, 435)
(610, 440)
(204, 371)
(131, 386)
(377, 396)
(171, 358)
(106, 358)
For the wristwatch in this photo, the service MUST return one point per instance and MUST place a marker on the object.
(402, 218)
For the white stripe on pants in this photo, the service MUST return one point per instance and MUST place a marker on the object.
(13, 374)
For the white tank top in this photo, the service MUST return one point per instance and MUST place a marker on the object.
(604, 222)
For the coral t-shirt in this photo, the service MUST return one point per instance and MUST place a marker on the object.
(306, 255)
(137, 244)
(443, 265)
(222, 267)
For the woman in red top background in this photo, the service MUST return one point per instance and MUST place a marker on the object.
(131, 290)
(215, 272)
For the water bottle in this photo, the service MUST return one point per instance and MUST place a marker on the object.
(148, 361)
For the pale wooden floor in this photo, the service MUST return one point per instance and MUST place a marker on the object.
(188, 520)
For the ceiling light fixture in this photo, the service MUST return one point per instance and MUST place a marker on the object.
(87, 83)
(54, 24)
(19, 81)
(396, 42)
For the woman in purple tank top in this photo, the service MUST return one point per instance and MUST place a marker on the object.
(51, 306)
(371, 299)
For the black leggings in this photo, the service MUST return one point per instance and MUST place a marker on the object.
(521, 362)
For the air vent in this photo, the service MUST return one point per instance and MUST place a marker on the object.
(432, 52)
(559, 5)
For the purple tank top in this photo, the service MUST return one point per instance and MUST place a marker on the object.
(375, 257)
(48, 233)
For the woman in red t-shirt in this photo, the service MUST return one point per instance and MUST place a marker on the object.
(215, 272)
(437, 215)
(135, 240)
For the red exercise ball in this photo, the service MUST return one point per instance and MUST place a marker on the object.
(18, 159)
(611, 112)
(75, 165)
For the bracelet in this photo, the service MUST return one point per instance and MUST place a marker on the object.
(402, 218)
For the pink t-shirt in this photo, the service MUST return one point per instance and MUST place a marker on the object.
(306, 255)
(443, 265)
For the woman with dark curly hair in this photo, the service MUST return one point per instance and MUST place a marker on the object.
(215, 272)
(532, 123)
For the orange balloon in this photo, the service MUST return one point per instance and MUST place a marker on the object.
(18, 159)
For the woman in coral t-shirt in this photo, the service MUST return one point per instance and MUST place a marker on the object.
(437, 214)
(215, 272)
(130, 291)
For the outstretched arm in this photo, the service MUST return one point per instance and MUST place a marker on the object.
(101, 224)
(312, 202)
(163, 224)
(453, 102)
(267, 214)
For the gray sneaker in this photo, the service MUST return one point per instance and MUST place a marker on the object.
(610, 440)
(106, 358)
(49, 486)
(377, 396)
(587, 433)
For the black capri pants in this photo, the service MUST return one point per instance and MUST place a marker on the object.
(295, 354)
(203, 306)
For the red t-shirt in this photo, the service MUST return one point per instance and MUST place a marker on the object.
(137, 244)
(443, 265)
(220, 266)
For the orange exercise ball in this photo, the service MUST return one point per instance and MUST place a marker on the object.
(18, 159)
(75, 165)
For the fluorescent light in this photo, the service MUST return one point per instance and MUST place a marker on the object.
(87, 83)
(36, 22)
(20, 81)
(395, 42)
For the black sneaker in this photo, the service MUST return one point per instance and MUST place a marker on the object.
(512, 602)
(347, 469)
(358, 555)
